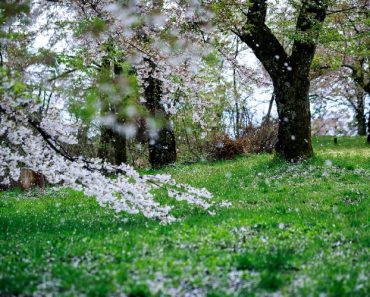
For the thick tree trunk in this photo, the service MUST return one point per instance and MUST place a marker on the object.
(162, 147)
(360, 115)
(361, 77)
(361, 125)
(289, 73)
(162, 150)
(119, 147)
(104, 151)
(294, 135)
(112, 144)
(162, 144)
(368, 129)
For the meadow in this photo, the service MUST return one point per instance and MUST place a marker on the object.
(276, 230)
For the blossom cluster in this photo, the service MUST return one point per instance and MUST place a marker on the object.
(24, 143)
(175, 37)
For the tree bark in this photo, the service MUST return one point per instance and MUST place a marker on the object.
(268, 115)
(119, 144)
(289, 73)
(162, 143)
(360, 115)
(162, 150)
(361, 76)
(112, 144)
(368, 129)
(294, 133)
(105, 139)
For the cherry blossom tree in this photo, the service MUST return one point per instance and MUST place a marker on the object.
(29, 140)
(289, 68)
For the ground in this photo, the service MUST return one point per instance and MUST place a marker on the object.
(291, 230)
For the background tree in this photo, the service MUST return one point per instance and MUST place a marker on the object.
(112, 139)
(345, 53)
(161, 137)
(289, 73)
(41, 144)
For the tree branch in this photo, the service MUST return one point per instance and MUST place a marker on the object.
(62, 74)
(258, 36)
(311, 16)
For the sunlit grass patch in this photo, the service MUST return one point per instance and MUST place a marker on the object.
(294, 230)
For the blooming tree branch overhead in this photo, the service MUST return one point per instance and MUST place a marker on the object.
(174, 36)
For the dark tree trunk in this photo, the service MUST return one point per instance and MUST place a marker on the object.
(294, 134)
(104, 151)
(289, 73)
(360, 115)
(119, 147)
(360, 76)
(361, 124)
(162, 150)
(368, 129)
(112, 143)
(162, 143)
(268, 115)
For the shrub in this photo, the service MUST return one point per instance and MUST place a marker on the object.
(223, 147)
(254, 140)
(261, 139)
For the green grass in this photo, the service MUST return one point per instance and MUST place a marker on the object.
(297, 230)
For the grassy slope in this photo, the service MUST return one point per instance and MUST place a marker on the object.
(297, 230)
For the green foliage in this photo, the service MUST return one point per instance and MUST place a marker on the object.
(87, 109)
(211, 59)
(344, 35)
(18, 88)
(94, 26)
(9, 10)
(306, 235)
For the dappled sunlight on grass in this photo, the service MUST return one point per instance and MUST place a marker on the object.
(294, 230)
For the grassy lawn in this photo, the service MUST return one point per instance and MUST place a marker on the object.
(292, 230)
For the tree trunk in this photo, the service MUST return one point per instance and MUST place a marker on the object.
(361, 124)
(289, 73)
(119, 147)
(112, 144)
(162, 150)
(104, 151)
(360, 115)
(360, 76)
(162, 143)
(268, 115)
(368, 129)
(236, 94)
(294, 134)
